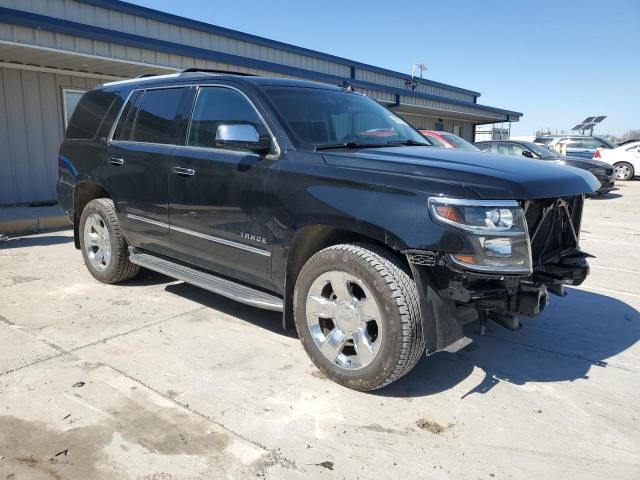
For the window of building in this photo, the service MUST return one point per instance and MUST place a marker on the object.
(215, 106)
(155, 122)
(70, 99)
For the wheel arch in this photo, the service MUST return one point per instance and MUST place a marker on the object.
(309, 240)
(83, 193)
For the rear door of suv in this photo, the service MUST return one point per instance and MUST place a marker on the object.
(139, 159)
(218, 211)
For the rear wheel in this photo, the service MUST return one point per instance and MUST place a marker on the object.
(356, 312)
(623, 171)
(103, 246)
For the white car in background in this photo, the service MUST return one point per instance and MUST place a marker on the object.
(625, 160)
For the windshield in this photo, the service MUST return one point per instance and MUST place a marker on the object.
(317, 118)
(542, 152)
(544, 140)
(435, 140)
(458, 142)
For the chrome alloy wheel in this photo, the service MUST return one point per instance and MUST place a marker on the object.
(97, 243)
(344, 320)
(622, 171)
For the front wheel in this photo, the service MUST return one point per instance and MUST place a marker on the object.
(623, 171)
(356, 312)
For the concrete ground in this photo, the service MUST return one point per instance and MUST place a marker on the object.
(156, 379)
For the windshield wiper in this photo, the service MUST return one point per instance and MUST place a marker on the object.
(350, 145)
(409, 143)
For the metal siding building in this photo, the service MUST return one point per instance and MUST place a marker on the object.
(53, 50)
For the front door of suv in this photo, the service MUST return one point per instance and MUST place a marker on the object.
(139, 158)
(217, 201)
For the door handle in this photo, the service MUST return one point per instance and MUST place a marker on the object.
(116, 161)
(185, 172)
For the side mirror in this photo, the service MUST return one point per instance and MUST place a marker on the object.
(242, 137)
(528, 154)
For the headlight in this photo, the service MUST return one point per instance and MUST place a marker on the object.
(598, 171)
(496, 229)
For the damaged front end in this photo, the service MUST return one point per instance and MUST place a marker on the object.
(507, 272)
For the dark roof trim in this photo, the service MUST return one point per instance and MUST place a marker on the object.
(157, 15)
(52, 24)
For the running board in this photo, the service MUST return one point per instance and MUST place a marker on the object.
(221, 286)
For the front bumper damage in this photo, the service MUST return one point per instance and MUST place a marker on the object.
(451, 297)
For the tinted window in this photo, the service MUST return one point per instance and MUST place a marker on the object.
(318, 117)
(110, 117)
(544, 140)
(594, 143)
(125, 124)
(156, 118)
(570, 142)
(215, 106)
(89, 113)
(485, 147)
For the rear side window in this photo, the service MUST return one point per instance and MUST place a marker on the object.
(89, 114)
(125, 124)
(155, 122)
(219, 105)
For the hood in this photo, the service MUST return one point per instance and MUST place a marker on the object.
(489, 175)
(586, 163)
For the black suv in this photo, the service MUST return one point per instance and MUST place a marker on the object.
(317, 201)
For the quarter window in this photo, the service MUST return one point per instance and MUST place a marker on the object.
(593, 143)
(215, 106)
(155, 122)
(88, 114)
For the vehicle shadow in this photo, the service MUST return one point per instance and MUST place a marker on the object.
(269, 320)
(605, 196)
(572, 336)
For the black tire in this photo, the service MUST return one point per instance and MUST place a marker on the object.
(628, 176)
(397, 298)
(119, 268)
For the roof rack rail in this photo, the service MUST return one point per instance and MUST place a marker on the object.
(145, 75)
(222, 72)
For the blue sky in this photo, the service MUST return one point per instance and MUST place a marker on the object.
(555, 61)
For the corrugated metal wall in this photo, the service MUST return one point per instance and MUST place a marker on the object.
(138, 25)
(31, 129)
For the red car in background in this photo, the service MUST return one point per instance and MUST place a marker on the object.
(448, 140)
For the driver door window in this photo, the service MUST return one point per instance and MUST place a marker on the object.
(516, 149)
(215, 106)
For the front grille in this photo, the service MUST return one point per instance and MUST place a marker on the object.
(550, 223)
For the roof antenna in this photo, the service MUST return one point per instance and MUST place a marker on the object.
(414, 82)
(346, 84)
